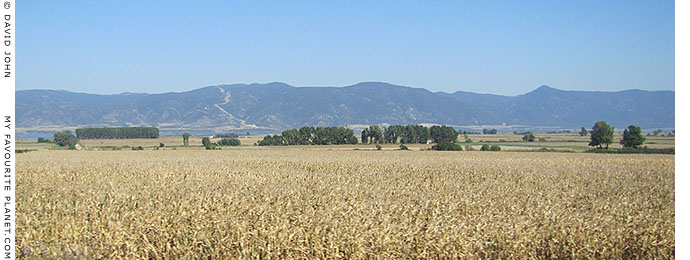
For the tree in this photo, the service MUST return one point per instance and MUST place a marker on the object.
(443, 134)
(423, 134)
(375, 134)
(528, 137)
(185, 139)
(391, 133)
(292, 137)
(632, 137)
(272, 140)
(350, 137)
(206, 141)
(365, 136)
(583, 131)
(65, 138)
(307, 135)
(602, 134)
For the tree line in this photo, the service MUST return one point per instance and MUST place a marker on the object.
(601, 135)
(117, 132)
(372, 135)
(408, 134)
(312, 135)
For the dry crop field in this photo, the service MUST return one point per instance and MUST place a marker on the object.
(302, 203)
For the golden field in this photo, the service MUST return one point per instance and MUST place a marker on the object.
(292, 202)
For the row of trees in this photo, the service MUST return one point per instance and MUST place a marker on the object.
(409, 134)
(222, 142)
(117, 132)
(312, 135)
(226, 135)
(406, 134)
(491, 131)
(229, 142)
(396, 133)
(372, 135)
(601, 135)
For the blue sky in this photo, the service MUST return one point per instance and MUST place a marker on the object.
(500, 47)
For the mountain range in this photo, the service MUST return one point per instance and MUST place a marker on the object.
(277, 106)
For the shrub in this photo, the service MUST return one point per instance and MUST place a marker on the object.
(272, 140)
(485, 147)
(548, 150)
(403, 147)
(528, 137)
(137, 148)
(495, 148)
(446, 147)
(161, 145)
(43, 140)
(229, 142)
(378, 147)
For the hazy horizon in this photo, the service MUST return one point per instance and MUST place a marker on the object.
(504, 48)
(348, 85)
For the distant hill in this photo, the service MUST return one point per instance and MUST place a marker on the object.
(280, 106)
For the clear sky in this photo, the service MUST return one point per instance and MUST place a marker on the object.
(500, 47)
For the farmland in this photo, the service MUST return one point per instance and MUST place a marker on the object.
(558, 142)
(342, 202)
